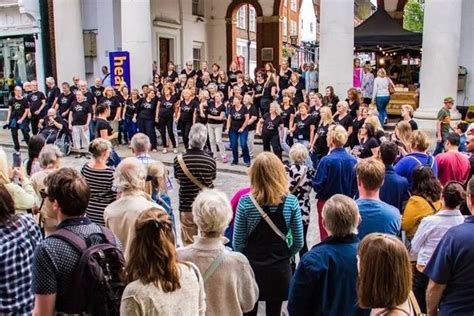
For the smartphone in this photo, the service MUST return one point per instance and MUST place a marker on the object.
(16, 160)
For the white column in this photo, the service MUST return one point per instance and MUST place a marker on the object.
(439, 64)
(466, 56)
(336, 52)
(136, 39)
(69, 41)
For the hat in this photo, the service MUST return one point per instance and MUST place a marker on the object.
(448, 99)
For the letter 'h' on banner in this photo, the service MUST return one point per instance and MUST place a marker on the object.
(119, 68)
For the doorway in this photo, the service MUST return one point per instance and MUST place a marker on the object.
(165, 53)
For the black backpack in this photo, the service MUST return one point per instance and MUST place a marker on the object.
(96, 284)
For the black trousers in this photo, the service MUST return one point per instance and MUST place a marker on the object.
(272, 308)
(185, 128)
(147, 127)
(305, 245)
(420, 284)
(274, 141)
(26, 136)
(34, 124)
(165, 124)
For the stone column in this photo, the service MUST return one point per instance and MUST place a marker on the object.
(136, 39)
(269, 36)
(439, 70)
(69, 40)
(336, 52)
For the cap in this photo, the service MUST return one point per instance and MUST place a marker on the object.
(448, 99)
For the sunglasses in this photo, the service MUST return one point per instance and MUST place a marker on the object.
(43, 193)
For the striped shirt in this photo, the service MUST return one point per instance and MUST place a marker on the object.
(100, 183)
(248, 217)
(202, 167)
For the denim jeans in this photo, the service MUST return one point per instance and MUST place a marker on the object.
(439, 147)
(382, 103)
(129, 127)
(91, 130)
(235, 137)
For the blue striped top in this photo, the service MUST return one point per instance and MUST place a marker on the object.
(248, 217)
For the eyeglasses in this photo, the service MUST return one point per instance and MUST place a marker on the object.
(43, 193)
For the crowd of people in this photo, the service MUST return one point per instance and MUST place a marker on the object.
(393, 218)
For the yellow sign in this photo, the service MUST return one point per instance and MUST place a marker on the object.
(470, 114)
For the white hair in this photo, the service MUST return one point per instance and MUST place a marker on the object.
(50, 79)
(212, 211)
(130, 175)
(140, 143)
(197, 136)
(49, 155)
(298, 153)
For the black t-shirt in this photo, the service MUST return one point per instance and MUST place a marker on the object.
(303, 127)
(18, 107)
(179, 88)
(224, 88)
(98, 93)
(187, 110)
(147, 109)
(167, 106)
(258, 88)
(267, 91)
(379, 135)
(171, 76)
(284, 79)
(73, 89)
(270, 126)
(367, 146)
(65, 102)
(201, 85)
(298, 98)
(80, 112)
(202, 119)
(286, 115)
(356, 125)
(237, 117)
(113, 104)
(35, 99)
(345, 122)
(214, 78)
(132, 107)
(51, 95)
(89, 98)
(316, 115)
(233, 76)
(243, 89)
(353, 107)
(101, 124)
(188, 75)
(48, 123)
(321, 145)
(252, 111)
(413, 125)
(214, 110)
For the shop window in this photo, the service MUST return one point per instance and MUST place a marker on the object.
(294, 5)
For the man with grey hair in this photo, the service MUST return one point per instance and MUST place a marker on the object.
(194, 170)
(120, 216)
(328, 271)
(52, 93)
(141, 146)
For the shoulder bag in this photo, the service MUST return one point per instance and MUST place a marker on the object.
(213, 267)
(267, 219)
(188, 173)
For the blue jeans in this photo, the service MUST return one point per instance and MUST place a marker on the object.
(129, 127)
(382, 103)
(439, 147)
(235, 137)
(91, 130)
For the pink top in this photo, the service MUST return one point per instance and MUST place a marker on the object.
(453, 166)
(234, 201)
(357, 78)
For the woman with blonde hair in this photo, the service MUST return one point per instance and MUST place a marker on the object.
(271, 127)
(300, 93)
(159, 283)
(343, 118)
(186, 114)
(157, 187)
(130, 113)
(109, 98)
(353, 101)
(385, 276)
(288, 116)
(407, 116)
(216, 118)
(269, 91)
(401, 137)
(320, 147)
(263, 221)
(381, 94)
(166, 110)
(379, 131)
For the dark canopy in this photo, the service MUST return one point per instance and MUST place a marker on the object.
(381, 29)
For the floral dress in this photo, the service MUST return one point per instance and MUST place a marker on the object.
(302, 192)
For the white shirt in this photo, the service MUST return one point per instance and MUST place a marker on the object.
(431, 230)
(381, 87)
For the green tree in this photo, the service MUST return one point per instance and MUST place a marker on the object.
(413, 16)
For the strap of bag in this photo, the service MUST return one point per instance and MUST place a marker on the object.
(213, 267)
(73, 239)
(267, 219)
(300, 181)
(414, 303)
(188, 173)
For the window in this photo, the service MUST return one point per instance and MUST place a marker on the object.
(197, 53)
(285, 3)
(241, 15)
(198, 7)
(294, 5)
(284, 26)
(252, 19)
(294, 27)
(311, 27)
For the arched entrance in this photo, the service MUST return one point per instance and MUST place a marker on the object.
(243, 34)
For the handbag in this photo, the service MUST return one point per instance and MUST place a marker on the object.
(213, 267)
(188, 173)
(267, 219)
(414, 304)
(391, 86)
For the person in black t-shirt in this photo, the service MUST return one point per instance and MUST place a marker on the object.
(237, 128)
(111, 100)
(52, 93)
(284, 76)
(369, 145)
(37, 101)
(271, 128)
(185, 117)
(98, 91)
(300, 93)
(75, 86)
(288, 116)
(215, 70)
(352, 100)
(79, 118)
(204, 81)
(343, 118)
(303, 126)
(65, 100)
(18, 109)
(216, 117)
(165, 116)
(223, 85)
(232, 73)
(320, 146)
(258, 91)
(189, 71)
(252, 123)
(269, 93)
(171, 75)
(146, 117)
(130, 113)
(200, 72)
(50, 126)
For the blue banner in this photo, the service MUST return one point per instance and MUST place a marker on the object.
(119, 69)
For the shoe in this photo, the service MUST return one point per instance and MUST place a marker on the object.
(175, 150)
(247, 164)
(225, 159)
(233, 163)
(165, 151)
(154, 150)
